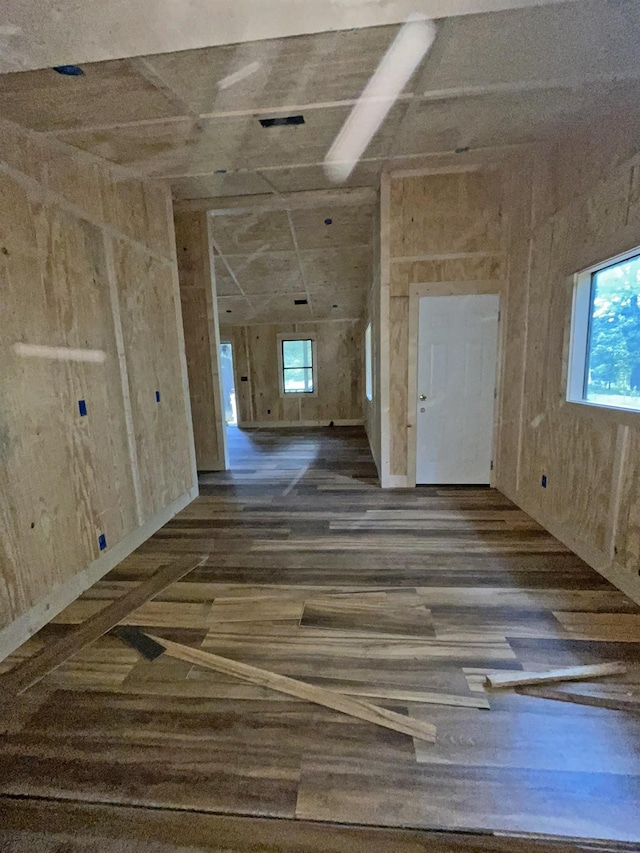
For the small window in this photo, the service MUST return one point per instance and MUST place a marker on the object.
(604, 366)
(297, 366)
(368, 366)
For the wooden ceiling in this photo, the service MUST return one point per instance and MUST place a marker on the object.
(45, 33)
(266, 260)
(490, 82)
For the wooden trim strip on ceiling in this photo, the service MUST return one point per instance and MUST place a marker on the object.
(229, 205)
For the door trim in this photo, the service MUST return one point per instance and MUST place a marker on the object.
(443, 288)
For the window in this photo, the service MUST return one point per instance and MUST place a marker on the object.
(368, 367)
(297, 366)
(604, 368)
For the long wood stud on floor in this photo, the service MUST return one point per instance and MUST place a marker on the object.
(23, 676)
(420, 696)
(613, 702)
(571, 673)
(292, 687)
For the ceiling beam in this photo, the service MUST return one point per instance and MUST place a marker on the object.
(45, 33)
(228, 205)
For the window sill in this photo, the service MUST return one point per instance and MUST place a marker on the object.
(607, 414)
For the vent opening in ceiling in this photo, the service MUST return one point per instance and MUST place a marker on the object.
(281, 121)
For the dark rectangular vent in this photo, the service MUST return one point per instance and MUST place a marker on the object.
(281, 121)
(300, 302)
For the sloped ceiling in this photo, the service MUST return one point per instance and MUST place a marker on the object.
(491, 82)
(45, 33)
(266, 261)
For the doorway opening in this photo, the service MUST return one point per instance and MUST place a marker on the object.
(228, 384)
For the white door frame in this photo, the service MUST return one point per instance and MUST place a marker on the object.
(442, 288)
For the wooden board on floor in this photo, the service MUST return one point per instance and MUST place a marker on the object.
(33, 669)
(572, 673)
(318, 695)
(419, 696)
(595, 699)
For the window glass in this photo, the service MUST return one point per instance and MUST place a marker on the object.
(368, 368)
(296, 354)
(612, 368)
(297, 367)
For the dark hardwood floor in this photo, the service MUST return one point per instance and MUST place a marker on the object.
(315, 573)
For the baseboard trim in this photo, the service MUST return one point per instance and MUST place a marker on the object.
(376, 461)
(290, 424)
(19, 631)
(616, 574)
(394, 481)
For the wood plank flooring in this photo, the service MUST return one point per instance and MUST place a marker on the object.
(315, 573)
(140, 830)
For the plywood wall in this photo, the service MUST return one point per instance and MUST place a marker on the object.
(90, 313)
(339, 353)
(569, 207)
(201, 334)
(443, 228)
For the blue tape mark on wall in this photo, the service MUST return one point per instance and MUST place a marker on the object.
(82, 408)
(102, 542)
(69, 70)
(157, 396)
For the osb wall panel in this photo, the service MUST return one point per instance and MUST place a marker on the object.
(448, 213)
(577, 215)
(340, 369)
(626, 545)
(398, 390)
(518, 185)
(199, 315)
(443, 228)
(150, 334)
(65, 479)
(471, 268)
(81, 275)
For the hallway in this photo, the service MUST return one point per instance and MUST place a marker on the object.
(316, 573)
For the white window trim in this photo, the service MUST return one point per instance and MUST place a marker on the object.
(368, 364)
(579, 336)
(293, 395)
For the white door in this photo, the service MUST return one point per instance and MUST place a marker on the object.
(457, 352)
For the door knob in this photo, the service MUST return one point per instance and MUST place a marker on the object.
(423, 396)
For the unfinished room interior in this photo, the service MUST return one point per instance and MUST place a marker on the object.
(270, 580)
